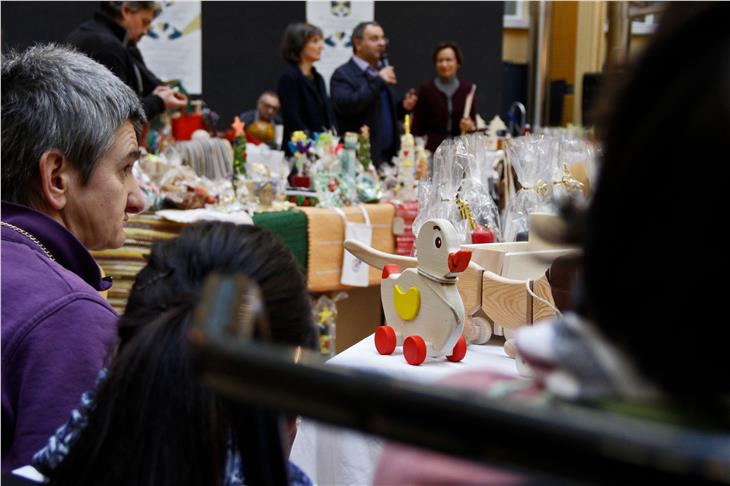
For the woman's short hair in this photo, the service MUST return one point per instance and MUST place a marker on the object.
(56, 98)
(295, 38)
(449, 45)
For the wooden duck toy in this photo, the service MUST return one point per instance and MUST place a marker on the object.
(423, 308)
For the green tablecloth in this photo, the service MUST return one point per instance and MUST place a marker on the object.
(291, 228)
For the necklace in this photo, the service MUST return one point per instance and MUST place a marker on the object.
(30, 237)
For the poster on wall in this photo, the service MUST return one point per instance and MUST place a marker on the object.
(337, 19)
(173, 48)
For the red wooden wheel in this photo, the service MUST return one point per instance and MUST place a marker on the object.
(459, 350)
(385, 340)
(414, 349)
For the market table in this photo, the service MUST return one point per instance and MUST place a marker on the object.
(337, 456)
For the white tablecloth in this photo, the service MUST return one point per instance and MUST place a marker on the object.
(336, 456)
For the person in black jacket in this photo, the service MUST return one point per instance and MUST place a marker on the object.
(111, 38)
(304, 101)
(363, 94)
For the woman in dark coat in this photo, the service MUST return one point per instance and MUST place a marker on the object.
(302, 93)
(440, 108)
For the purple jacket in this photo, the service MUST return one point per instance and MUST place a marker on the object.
(57, 331)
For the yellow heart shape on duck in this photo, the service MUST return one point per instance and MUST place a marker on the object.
(407, 304)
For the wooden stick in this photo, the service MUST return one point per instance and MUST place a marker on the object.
(469, 100)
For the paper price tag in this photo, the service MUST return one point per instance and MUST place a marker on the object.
(355, 272)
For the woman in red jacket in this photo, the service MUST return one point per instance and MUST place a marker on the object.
(440, 108)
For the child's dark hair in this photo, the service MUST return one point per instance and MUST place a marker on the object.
(154, 423)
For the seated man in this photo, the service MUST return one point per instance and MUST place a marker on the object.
(267, 110)
(69, 132)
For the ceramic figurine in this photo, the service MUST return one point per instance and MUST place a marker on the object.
(363, 148)
(423, 308)
(406, 164)
(495, 131)
(349, 154)
(421, 159)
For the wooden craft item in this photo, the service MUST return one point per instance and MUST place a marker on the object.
(423, 309)
(469, 101)
(490, 298)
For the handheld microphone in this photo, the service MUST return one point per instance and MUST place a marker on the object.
(384, 59)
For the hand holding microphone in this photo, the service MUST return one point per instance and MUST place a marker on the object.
(387, 72)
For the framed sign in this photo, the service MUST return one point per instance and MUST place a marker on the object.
(173, 48)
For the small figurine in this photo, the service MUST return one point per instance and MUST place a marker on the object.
(300, 145)
(421, 159)
(349, 154)
(406, 178)
(325, 152)
(363, 148)
(496, 131)
(239, 153)
(324, 311)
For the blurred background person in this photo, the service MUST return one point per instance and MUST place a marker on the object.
(439, 112)
(111, 38)
(263, 122)
(620, 348)
(363, 93)
(302, 92)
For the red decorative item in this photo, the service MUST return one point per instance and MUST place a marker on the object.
(301, 181)
(390, 269)
(385, 340)
(184, 125)
(459, 350)
(405, 213)
(414, 349)
(482, 235)
(459, 260)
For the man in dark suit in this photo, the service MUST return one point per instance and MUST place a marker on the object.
(362, 93)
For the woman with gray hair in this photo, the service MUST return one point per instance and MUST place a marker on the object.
(70, 133)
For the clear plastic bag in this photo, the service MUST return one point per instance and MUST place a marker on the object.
(440, 200)
(474, 189)
(534, 160)
(324, 313)
(457, 191)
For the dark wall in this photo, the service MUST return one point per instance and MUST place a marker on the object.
(241, 43)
